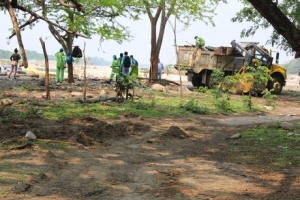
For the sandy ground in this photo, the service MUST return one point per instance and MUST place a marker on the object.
(292, 83)
(96, 71)
(103, 72)
(136, 158)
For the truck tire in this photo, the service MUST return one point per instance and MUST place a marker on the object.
(276, 84)
(196, 81)
(209, 82)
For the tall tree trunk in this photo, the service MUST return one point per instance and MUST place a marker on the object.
(279, 21)
(153, 53)
(18, 34)
(156, 42)
(69, 42)
(154, 66)
(70, 73)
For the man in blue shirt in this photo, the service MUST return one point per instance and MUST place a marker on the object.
(160, 69)
(133, 61)
(125, 63)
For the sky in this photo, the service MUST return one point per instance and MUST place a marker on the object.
(221, 35)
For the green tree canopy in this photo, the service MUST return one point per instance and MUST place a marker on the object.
(285, 11)
(68, 19)
(185, 11)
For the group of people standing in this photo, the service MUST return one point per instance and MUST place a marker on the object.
(128, 65)
(61, 60)
(125, 64)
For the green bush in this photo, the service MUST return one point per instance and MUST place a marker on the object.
(193, 107)
(269, 97)
(202, 89)
(223, 105)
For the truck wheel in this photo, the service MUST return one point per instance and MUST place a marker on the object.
(196, 81)
(209, 82)
(276, 84)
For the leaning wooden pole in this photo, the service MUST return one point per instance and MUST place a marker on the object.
(46, 70)
(18, 34)
(176, 51)
(84, 73)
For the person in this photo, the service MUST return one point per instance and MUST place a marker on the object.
(14, 62)
(69, 59)
(134, 67)
(160, 70)
(60, 65)
(133, 60)
(125, 63)
(200, 42)
(115, 65)
(120, 59)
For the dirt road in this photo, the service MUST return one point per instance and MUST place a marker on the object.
(137, 158)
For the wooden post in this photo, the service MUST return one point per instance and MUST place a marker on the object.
(84, 73)
(46, 70)
(176, 51)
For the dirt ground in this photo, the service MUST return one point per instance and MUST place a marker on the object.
(139, 158)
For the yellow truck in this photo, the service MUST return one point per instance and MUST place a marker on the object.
(200, 62)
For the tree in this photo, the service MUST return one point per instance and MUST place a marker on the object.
(9, 6)
(97, 18)
(70, 19)
(185, 11)
(284, 17)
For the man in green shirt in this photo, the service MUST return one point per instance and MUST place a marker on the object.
(115, 65)
(60, 65)
(200, 42)
(134, 67)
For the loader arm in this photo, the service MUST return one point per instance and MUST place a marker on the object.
(251, 51)
(244, 52)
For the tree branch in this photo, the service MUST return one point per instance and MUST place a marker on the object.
(4, 3)
(36, 16)
(29, 21)
(279, 21)
(57, 36)
(147, 7)
(75, 4)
